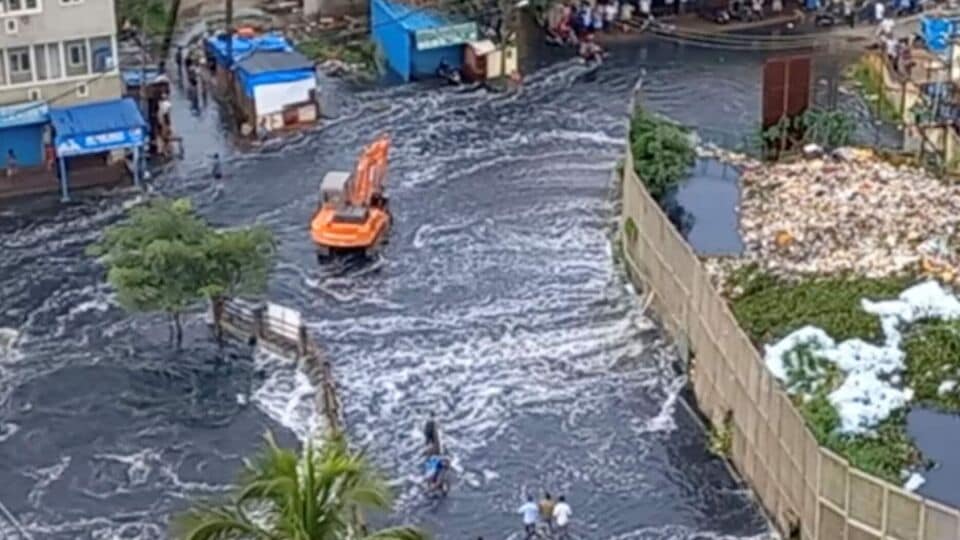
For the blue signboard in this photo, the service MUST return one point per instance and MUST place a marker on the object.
(78, 145)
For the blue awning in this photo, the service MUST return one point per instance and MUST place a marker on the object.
(98, 127)
(243, 46)
(24, 114)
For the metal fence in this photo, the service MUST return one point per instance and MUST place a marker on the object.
(282, 330)
(808, 490)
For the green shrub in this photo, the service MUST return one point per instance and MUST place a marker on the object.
(769, 308)
(662, 152)
(933, 356)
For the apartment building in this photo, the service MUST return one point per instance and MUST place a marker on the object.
(59, 51)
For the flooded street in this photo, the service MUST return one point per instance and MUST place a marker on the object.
(497, 304)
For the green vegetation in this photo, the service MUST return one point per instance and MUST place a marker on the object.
(870, 85)
(933, 353)
(769, 308)
(150, 14)
(356, 52)
(165, 258)
(662, 152)
(630, 229)
(827, 129)
(721, 437)
(290, 496)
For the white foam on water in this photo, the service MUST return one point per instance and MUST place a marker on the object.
(664, 421)
(43, 477)
(286, 395)
(869, 392)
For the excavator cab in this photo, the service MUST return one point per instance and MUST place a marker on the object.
(334, 186)
(354, 214)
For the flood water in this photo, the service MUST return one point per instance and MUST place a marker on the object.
(497, 304)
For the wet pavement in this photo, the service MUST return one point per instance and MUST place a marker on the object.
(497, 304)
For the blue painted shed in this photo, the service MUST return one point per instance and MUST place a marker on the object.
(415, 40)
(95, 128)
(21, 130)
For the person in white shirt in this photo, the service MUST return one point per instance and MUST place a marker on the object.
(561, 516)
(529, 511)
(878, 11)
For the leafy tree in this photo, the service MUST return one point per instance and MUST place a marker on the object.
(285, 496)
(165, 258)
(662, 152)
(151, 15)
(238, 262)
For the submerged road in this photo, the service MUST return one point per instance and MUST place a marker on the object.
(498, 304)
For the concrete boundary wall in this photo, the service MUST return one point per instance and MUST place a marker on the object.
(281, 330)
(799, 483)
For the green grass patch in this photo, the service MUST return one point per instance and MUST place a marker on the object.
(662, 152)
(933, 356)
(769, 308)
(870, 85)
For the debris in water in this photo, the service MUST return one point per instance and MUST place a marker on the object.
(851, 213)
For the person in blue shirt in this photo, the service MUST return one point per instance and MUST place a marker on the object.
(529, 511)
(435, 470)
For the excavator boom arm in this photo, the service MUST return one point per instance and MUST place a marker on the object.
(371, 172)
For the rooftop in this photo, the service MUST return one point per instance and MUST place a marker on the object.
(267, 61)
(96, 117)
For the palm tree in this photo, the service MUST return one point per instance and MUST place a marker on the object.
(285, 496)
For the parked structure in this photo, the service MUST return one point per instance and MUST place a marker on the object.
(416, 41)
(63, 51)
(271, 85)
(96, 137)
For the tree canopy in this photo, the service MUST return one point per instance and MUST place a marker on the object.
(283, 495)
(166, 258)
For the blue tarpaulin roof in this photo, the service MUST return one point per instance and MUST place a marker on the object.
(243, 46)
(414, 18)
(23, 114)
(97, 127)
(937, 32)
(132, 76)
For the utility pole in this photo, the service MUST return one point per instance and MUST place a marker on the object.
(229, 22)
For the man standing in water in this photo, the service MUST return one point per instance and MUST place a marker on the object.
(529, 512)
(561, 514)
(431, 436)
(546, 510)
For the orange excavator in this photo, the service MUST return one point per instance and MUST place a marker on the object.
(353, 214)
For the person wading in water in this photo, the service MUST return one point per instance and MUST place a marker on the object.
(431, 436)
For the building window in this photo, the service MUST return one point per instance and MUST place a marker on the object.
(70, 2)
(101, 49)
(20, 7)
(3, 71)
(40, 59)
(77, 58)
(19, 59)
(54, 67)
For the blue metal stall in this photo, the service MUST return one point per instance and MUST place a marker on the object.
(96, 128)
(415, 40)
(21, 131)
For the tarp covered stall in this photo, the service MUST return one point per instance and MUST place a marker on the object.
(21, 130)
(278, 88)
(97, 128)
(415, 41)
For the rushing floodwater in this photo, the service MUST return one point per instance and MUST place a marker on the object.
(497, 304)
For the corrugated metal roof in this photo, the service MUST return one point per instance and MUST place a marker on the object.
(269, 61)
(96, 117)
(24, 114)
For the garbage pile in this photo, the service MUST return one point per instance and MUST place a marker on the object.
(846, 212)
